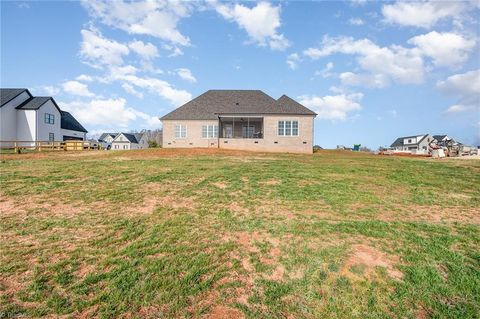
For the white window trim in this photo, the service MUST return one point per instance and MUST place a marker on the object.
(291, 128)
(175, 131)
(214, 131)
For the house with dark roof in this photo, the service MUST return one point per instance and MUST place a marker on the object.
(28, 118)
(129, 141)
(415, 144)
(243, 120)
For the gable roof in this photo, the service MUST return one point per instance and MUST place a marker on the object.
(132, 137)
(212, 103)
(399, 141)
(68, 122)
(36, 102)
(6, 95)
(439, 138)
(290, 106)
(104, 136)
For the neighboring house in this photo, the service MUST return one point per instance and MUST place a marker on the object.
(240, 119)
(415, 144)
(24, 117)
(129, 141)
(71, 128)
(443, 140)
(106, 140)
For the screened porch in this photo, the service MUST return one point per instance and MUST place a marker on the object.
(240, 127)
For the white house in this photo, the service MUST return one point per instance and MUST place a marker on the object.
(26, 118)
(106, 140)
(129, 141)
(415, 144)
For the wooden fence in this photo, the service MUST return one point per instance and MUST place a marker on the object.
(72, 145)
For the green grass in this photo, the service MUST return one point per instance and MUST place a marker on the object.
(164, 234)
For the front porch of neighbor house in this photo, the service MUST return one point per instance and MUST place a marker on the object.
(240, 127)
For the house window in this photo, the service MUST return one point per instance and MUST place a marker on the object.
(180, 131)
(125, 147)
(116, 147)
(51, 137)
(288, 128)
(209, 131)
(247, 131)
(49, 118)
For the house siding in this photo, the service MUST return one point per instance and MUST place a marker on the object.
(43, 129)
(194, 134)
(8, 118)
(26, 125)
(72, 133)
(303, 143)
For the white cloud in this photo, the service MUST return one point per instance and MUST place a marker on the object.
(260, 22)
(292, 60)
(356, 21)
(174, 50)
(84, 78)
(424, 14)
(368, 80)
(325, 73)
(99, 51)
(130, 89)
(155, 18)
(465, 87)
(393, 113)
(146, 50)
(446, 49)
(77, 88)
(186, 74)
(49, 90)
(333, 107)
(456, 108)
(395, 63)
(111, 113)
(159, 87)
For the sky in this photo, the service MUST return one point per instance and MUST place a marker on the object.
(371, 70)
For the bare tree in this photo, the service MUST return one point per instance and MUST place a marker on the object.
(154, 137)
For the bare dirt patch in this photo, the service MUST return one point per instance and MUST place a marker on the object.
(270, 182)
(432, 213)
(223, 312)
(221, 185)
(370, 258)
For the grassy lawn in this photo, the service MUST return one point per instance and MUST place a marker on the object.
(162, 233)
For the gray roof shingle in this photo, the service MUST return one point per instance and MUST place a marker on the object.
(36, 102)
(399, 141)
(104, 136)
(133, 137)
(214, 102)
(6, 95)
(68, 122)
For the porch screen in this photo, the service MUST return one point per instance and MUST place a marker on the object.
(247, 131)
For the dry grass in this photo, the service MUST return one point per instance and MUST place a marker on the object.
(227, 234)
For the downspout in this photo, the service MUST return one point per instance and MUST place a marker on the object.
(218, 133)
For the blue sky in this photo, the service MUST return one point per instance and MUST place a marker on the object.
(372, 71)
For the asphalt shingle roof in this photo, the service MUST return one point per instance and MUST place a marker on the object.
(104, 136)
(214, 102)
(439, 138)
(34, 103)
(399, 141)
(68, 122)
(6, 95)
(133, 137)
